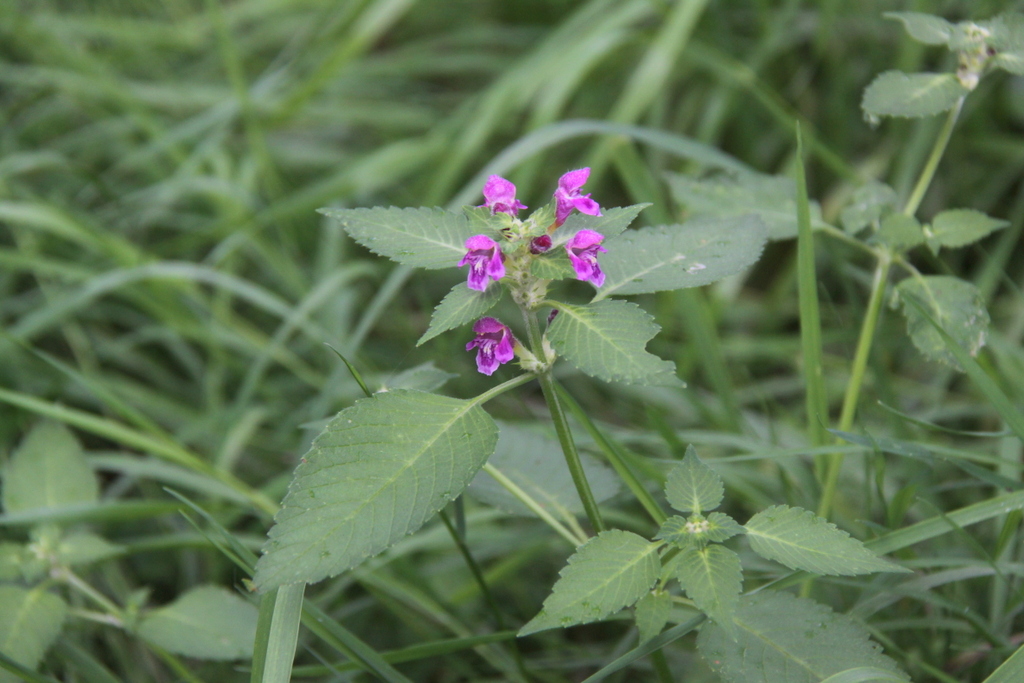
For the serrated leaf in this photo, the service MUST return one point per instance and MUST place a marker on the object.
(785, 638)
(459, 307)
(924, 28)
(379, 470)
(534, 461)
(30, 621)
(956, 305)
(85, 548)
(960, 227)
(715, 528)
(652, 613)
(771, 198)
(48, 470)
(607, 340)
(869, 203)
(425, 238)
(713, 577)
(693, 486)
(800, 539)
(207, 622)
(423, 377)
(895, 93)
(610, 571)
(553, 265)
(612, 222)
(696, 253)
(900, 231)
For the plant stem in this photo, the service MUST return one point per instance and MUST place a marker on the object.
(928, 172)
(494, 392)
(572, 456)
(534, 507)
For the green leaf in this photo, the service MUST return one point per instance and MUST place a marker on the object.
(800, 539)
(869, 203)
(701, 251)
(610, 571)
(379, 470)
(535, 462)
(900, 231)
(693, 486)
(716, 528)
(955, 305)
(612, 222)
(460, 306)
(895, 93)
(1011, 671)
(554, 265)
(652, 613)
(85, 548)
(713, 578)
(782, 638)
(959, 227)
(865, 674)
(607, 339)
(425, 238)
(12, 556)
(771, 198)
(48, 471)
(924, 28)
(423, 377)
(30, 621)
(207, 622)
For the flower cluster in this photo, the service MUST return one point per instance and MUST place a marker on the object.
(488, 260)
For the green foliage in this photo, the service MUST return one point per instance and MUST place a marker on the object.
(610, 223)
(610, 571)
(696, 253)
(895, 93)
(378, 471)
(652, 613)
(606, 340)
(82, 547)
(206, 622)
(692, 486)
(925, 28)
(956, 305)
(870, 202)
(534, 461)
(899, 231)
(713, 578)
(715, 528)
(960, 227)
(459, 307)
(800, 539)
(772, 199)
(426, 377)
(30, 621)
(47, 471)
(784, 639)
(425, 238)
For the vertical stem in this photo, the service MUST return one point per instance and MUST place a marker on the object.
(928, 172)
(572, 456)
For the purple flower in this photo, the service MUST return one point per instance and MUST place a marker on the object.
(568, 196)
(485, 261)
(538, 245)
(582, 250)
(500, 196)
(494, 343)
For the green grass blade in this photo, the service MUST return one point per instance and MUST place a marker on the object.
(656, 643)
(277, 634)
(1011, 671)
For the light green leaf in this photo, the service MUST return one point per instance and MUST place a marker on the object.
(771, 198)
(783, 638)
(554, 265)
(1010, 671)
(959, 227)
(652, 613)
(610, 571)
(423, 377)
(607, 339)
(30, 621)
(924, 28)
(425, 238)
(379, 470)
(900, 231)
(85, 548)
(869, 203)
(865, 674)
(1010, 61)
(612, 222)
(460, 306)
(716, 528)
(693, 486)
(800, 539)
(701, 251)
(534, 461)
(956, 305)
(207, 622)
(713, 577)
(12, 555)
(47, 471)
(895, 93)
